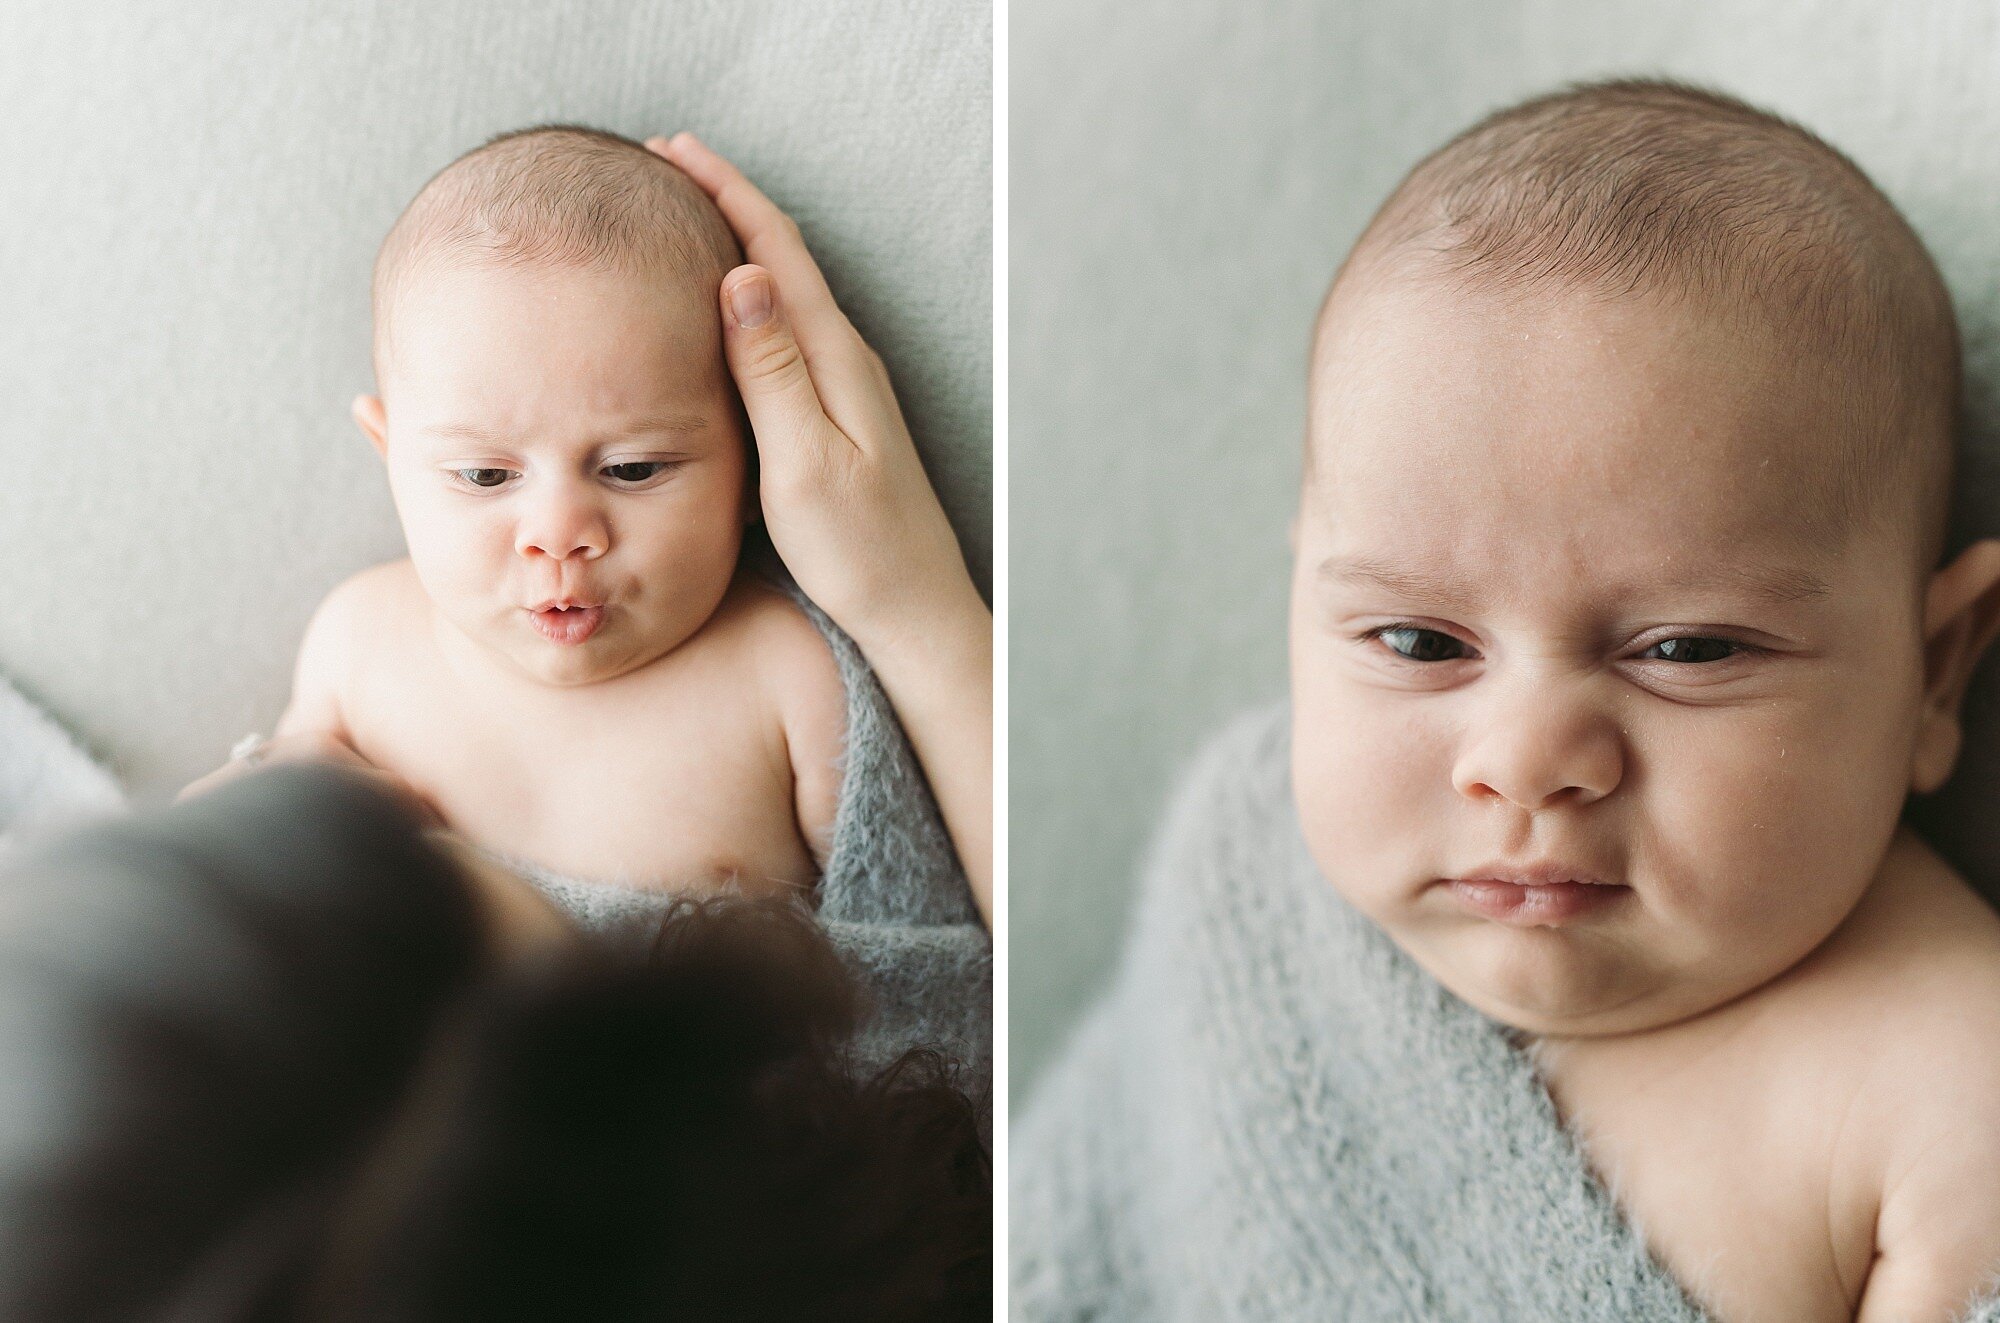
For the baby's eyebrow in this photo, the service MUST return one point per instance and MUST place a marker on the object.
(1778, 584)
(1364, 571)
(678, 422)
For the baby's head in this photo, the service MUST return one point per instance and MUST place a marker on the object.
(556, 415)
(1628, 464)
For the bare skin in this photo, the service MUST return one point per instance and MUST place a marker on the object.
(714, 764)
(715, 768)
(562, 446)
(1772, 1029)
(1823, 1147)
(848, 506)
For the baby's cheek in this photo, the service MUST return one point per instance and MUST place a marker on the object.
(455, 549)
(1760, 824)
(696, 557)
(1362, 772)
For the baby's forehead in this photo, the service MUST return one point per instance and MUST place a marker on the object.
(1573, 435)
(554, 198)
(446, 275)
(1563, 547)
(458, 315)
(1746, 224)
(1566, 382)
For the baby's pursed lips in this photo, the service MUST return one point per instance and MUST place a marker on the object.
(564, 604)
(1539, 873)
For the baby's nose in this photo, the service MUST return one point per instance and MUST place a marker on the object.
(561, 527)
(1540, 750)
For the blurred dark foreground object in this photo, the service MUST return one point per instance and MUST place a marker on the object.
(260, 1059)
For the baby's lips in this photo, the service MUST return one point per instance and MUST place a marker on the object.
(1534, 873)
(569, 627)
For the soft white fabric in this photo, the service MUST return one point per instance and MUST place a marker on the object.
(46, 778)
(194, 195)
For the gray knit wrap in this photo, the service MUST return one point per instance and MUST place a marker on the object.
(1275, 1114)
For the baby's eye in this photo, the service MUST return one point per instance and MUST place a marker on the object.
(637, 470)
(482, 477)
(1694, 650)
(1426, 645)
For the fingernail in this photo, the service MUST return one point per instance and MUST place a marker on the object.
(750, 301)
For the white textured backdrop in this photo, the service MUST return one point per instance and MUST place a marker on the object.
(1182, 188)
(192, 197)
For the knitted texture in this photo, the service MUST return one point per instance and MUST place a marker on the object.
(1274, 1114)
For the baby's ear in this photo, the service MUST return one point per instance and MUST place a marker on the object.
(1961, 616)
(371, 418)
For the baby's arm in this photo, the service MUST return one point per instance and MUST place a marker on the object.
(313, 727)
(799, 671)
(323, 661)
(1937, 1238)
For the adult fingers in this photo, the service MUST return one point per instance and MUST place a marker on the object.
(770, 238)
(770, 369)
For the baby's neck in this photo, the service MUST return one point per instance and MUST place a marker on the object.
(484, 676)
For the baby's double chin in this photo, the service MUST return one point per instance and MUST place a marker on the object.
(1635, 1004)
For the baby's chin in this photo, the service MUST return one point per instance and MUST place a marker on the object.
(1558, 982)
(571, 672)
(618, 648)
(576, 668)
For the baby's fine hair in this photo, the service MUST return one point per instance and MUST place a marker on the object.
(560, 195)
(1654, 186)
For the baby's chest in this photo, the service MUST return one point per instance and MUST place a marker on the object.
(671, 789)
(1735, 1182)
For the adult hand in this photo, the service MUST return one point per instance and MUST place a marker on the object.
(845, 497)
(847, 503)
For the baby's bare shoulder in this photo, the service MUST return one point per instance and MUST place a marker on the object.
(354, 612)
(794, 669)
(767, 632)
(1937, 1236)
(1933, 1098)
(365, 600)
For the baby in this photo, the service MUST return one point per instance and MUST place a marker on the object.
(1617, 568)
(569, 666)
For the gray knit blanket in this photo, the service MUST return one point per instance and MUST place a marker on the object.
(1274, 1114)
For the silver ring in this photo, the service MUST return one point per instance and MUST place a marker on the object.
(249, 750)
